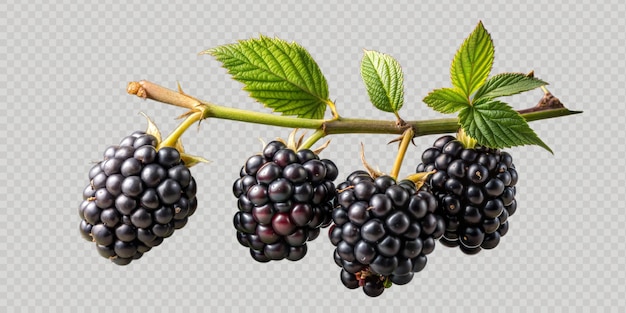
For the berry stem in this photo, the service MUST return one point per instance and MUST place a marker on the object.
(172, 139)
(336, 125)
(404, 144)
(309, 142)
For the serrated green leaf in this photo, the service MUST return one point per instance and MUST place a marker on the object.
(384, 81)
(472, 62)
(507, 84)
(496, 125)
(447, 100)
(279, 74)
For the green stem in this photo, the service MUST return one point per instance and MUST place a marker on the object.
(339, 125)
(309, 142)
(227, 113)
(171, 140)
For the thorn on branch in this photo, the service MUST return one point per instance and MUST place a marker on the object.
(547, 102)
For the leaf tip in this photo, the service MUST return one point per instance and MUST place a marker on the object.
(545, 146)
(480, 27)
(210, 51)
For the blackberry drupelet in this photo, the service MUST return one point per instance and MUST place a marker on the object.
(137, 196)
(284, 198)
(382, 231)
(476, 192)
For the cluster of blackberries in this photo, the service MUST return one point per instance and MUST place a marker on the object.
(136, 197)
(284, 198)
(476, 192)
(382, 231)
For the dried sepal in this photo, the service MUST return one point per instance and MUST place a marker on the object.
(294, 142)
(321, 148)
(186, 114)
(300, 140)
(420, 178)
(291, 140)
(152, 129)
(281, 140)
(191, 160)
(263, 143)
(372, 171)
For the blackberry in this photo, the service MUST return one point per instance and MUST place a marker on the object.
(476, 192)
(137, 196)
(284, 198)
(382, 230)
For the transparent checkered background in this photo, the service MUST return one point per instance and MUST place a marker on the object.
(64, 69)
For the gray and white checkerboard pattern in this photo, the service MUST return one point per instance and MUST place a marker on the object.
(62, 101)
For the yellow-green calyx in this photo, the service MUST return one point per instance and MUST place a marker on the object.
(467, 141)
(174, 140)
(420, 178)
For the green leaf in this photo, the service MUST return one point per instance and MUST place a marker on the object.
(472, 62)
(507, 84)
(447, 100)
(384, 80)
(496, 125)
(281, 75)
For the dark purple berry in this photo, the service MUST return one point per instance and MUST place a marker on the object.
(169, 191)
(104, 198)
(132, 186)
(131, 166)
(124, 152)
(253, 164)
(145, 154)
(149, 199)
(316, 170)
(268, 173)
(288, 196)
(349, 280)
(280, 190)
(305, 155)
(125, 232)
(285, 157)
(271, 149)
(110, 217)
(131, 204)
(145, 140)
(180, 174)
(295, 173)
(476, 193)
(102, 235)
(168, 157)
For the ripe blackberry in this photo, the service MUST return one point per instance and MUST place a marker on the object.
(382, 231)
(476, 192)
(137, 196)
(284, 198)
